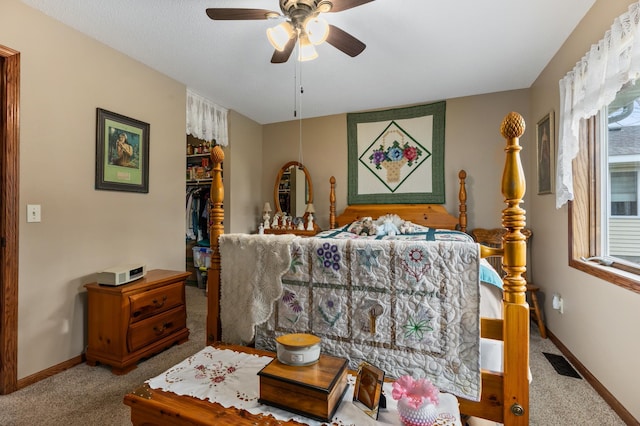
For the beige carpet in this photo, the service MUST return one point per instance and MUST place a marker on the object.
(86, 396)
(557, 400)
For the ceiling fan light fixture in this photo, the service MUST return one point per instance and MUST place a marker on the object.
(302, 27)
(307, 52)
(279, 35)
(318, 30)
(324, 6)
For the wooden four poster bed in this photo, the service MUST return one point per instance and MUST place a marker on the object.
(504, 396)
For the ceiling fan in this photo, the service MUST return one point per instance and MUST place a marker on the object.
(303, 23)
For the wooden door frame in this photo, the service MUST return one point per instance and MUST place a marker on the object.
(9, 199)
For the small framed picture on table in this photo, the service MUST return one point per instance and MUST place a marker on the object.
(368, 389)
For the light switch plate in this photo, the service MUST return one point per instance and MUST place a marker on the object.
(33, 213)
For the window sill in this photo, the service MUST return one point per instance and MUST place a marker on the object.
(613, 275)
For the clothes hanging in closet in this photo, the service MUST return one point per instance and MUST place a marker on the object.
(197, 214)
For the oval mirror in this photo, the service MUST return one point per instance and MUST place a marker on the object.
(293, 189)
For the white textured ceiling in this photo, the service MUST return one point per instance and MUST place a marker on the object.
(417, 50)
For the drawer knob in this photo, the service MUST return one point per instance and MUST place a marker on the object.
(517, 409)
(160, 330)
(157, 304)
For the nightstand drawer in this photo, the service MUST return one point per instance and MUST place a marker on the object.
(147, 304)
(146, 332)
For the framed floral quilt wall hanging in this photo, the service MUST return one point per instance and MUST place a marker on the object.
(397, 156)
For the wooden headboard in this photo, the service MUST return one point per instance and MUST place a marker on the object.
(431, 215)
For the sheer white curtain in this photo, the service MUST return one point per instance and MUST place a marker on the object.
(206, 120)
(591, 85)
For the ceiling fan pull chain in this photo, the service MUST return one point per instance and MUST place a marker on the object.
(295, 91)
(300, 120)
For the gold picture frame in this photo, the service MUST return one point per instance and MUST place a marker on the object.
(368, 389)
(545, 148)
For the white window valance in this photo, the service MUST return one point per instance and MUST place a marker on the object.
(591, 85)
(206, 120)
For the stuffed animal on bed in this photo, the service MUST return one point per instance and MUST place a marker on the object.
(388, 228)
(364, 226)
(407, 227)
(388, 225)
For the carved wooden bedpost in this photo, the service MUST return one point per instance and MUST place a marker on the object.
(332, 203)
(462, 197)
(216, 217)
(515, 307)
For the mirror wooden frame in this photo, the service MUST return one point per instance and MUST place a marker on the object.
(307, 176)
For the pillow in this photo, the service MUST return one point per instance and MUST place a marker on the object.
(489, 275)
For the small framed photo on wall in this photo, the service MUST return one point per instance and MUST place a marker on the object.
(545, 135)
(368, 389)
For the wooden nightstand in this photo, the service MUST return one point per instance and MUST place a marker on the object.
(136, 320)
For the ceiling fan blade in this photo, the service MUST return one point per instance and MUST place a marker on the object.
(282, 57)
(240, 14)
(344, 41)
(340, 5)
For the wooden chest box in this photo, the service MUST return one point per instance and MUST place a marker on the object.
(313, 391)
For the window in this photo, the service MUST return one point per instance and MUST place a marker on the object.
(598, 155)
(604, 214)
(624, 191)
(621, 227)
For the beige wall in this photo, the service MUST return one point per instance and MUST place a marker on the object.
(324, 153)
(472, 142)
(65, 76)
(600, 320)
(242, 174)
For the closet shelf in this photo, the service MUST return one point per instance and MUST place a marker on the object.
(199, 181)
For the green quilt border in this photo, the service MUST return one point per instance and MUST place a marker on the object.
(437, 196)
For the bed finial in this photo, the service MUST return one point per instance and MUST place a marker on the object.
(332, 203)
(512, 126)
(462, 197)
(513, 217)
(217, 154)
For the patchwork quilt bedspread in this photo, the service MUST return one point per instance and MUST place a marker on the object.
(417, 233)
(488, 274)
(407, 306)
